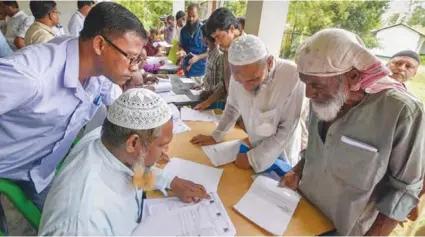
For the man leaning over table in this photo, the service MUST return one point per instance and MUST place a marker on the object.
(364, 163)
(99, 190)
(266, 92)
(50, 91)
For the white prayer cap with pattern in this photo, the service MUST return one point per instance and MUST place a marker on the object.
(139, 109)
(247, 49)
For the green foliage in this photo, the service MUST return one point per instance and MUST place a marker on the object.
(418, 17)
(422, 59)
(307, 17)
(148, 12)
(394, 18)
(238, 7)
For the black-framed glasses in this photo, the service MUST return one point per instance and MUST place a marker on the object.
(134, 60)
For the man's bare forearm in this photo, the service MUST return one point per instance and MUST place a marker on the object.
(383, 226)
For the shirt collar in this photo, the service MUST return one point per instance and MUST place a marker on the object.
(80, 14)
(113, 162)
(72, 64)
(18, 14)
(45, 27)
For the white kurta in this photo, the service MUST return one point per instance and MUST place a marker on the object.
(93, 194)
(271, 116)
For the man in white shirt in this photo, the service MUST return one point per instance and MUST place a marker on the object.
(76, 23)
(17, 25)
(268, 95)
(99, 190)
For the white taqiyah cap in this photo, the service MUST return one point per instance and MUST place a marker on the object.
(139, 109)
(247, 49)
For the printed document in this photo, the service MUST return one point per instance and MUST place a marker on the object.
(222, 153)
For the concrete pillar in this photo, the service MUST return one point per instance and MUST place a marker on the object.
(267, 20)
(178, 5)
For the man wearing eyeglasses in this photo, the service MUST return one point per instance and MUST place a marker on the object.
(46, 17)
(50, 91)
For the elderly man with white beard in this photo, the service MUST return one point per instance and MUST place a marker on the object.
(100, 187)
(363, 166)
(268, 95)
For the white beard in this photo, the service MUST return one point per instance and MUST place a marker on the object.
(143, 177)
(328, 110)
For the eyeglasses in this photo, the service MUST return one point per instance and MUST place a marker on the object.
(134, 60)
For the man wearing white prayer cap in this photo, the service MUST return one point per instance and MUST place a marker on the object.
(100, 187)
(268, 95)
(364, 163)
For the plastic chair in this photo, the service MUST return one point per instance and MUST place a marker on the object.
(21, 202)
(24, 205)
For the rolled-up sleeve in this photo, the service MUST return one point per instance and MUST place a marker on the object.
(230, 115)
(265, 154)
(163, 180)
(406, 166)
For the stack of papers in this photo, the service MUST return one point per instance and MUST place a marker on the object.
(196, 92)
(178, 125)
(223, 153)
(207, 176)
(171, 97)
(172, 217)
(269, 206)
(163, 86)
(188, 114)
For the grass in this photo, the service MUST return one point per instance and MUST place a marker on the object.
(417, 84)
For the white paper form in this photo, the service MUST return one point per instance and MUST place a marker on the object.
(178, 125)
(188, 114)
(171, 97)
(207, 218)
(223, 153)
(207, 176)
(274, 206)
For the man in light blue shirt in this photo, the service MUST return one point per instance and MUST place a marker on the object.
(99, 189)
(76, 22)
(5, 49)
(50, 91)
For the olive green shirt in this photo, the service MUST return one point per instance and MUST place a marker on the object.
(372, 160)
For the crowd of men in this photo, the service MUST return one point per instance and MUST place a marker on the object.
(362, 166)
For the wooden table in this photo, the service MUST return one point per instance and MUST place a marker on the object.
(235, 182)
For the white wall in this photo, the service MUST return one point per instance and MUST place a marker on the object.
(67, 8)
(395, 39)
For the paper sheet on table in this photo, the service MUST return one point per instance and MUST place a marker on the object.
(163, 86)
(178, 125)
(176, 98)
(274, 206)
(188, 114)
(222, 153)
(196, 92)
(187, 80)
(207, 176)
(206, 218)
(164, 44)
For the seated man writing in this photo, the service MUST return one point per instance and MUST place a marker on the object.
(364, 163)
(268, 95)
(99, 189)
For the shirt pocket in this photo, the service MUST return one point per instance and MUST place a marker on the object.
(265, 123)
(355, 164)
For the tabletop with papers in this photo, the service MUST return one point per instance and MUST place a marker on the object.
(235, 187)
(207, 176)
(188, 114)
(206, 218)
(274, 206)
(223, 153)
